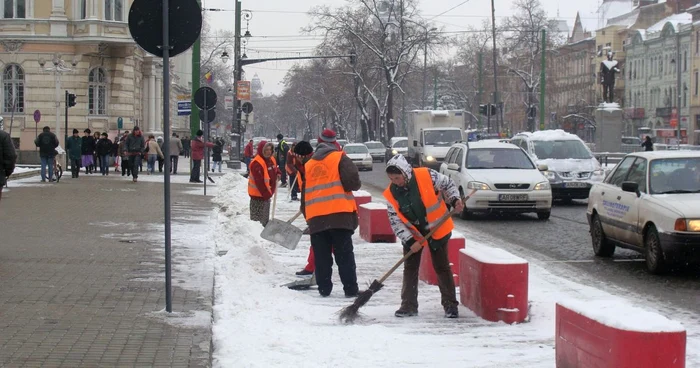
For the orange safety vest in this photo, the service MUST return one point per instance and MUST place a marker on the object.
(253, 190)
(324, 194)
(435, 207)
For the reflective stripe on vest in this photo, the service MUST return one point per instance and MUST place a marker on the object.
(253, 190)
(324, 193)
(435, 207)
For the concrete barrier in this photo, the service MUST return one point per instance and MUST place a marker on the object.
(374, 223)
(361, 197)
(611, 334)
(493, 283)
(426, 272)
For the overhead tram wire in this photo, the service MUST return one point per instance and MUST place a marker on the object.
(450, 9)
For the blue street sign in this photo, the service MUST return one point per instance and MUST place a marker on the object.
(184, 108)
(120, 123)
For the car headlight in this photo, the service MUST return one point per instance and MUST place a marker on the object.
(542, 186)
(694, 225)
(550, 175)
(394, 152)
(478, 185)
(430, 158)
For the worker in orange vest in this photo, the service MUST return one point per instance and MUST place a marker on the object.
(262, 182)
(331, 213)
(415, 198)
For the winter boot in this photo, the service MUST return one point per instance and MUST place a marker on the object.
(451, 312)
(304, 272)
(405, 312)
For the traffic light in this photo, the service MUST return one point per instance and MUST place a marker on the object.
(71, 100)
(487, 110)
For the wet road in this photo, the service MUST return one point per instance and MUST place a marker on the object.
(563, 246)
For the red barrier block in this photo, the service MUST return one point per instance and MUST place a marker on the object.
(361, 197)
(611, 334)
(493, 283)
(374, 223)
(426, 272)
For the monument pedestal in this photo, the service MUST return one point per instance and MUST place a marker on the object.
(608, 133)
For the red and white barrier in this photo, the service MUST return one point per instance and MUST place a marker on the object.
(610, 334)
(426, 272)
(361, 197)
(374, 223)
(493, 283)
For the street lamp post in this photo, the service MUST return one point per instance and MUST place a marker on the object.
(58, 67)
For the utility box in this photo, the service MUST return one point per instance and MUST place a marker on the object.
(608, 133)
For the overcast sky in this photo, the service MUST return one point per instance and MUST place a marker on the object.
(276, 25)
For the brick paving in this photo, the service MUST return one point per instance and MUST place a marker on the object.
(71, 297)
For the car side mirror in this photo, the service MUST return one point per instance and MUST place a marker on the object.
(415, 143)
(542, 167)
(631, 187)
(453, 167)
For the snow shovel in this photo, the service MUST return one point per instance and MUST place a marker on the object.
(304, 284)
(283, 233)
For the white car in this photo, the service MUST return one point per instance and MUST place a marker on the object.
(376, 150)
(498, 177)
(398, 147)
(649, 203)
(359, 154)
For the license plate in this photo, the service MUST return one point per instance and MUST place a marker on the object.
(512, 197)
(575, 185)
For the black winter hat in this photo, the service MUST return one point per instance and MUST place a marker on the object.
(303, 148)
(75, 131)
(280, 136)
(200, 133)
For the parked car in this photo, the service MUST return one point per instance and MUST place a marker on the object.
(359, 154)
(498, 177)
(572, 168)
(650, 203)
(343, 142)
(399, 146)
(376, 150)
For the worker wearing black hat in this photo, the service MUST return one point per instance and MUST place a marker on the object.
(281, 157)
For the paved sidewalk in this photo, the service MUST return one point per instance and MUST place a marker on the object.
(81, 274)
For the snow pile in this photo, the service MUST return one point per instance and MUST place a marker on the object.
(20, 170)
(552, 135)
(491, 255)
(361, 193)
(623, 316)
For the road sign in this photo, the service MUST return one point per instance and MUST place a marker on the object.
(146, 25)
(211, 115)
(205, 98)
(120, 123)
(184, 105)
(228, 102)
(37, 116)
(247, 108)
(674, 122)
(243, 90)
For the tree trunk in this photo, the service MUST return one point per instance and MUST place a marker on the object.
(390, 123)
(364, 129)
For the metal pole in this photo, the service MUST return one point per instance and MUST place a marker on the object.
(237, 76)
(435, 90)
(206, 139)
(58, 101)
(481, 85)
(166, 132)
(194, 114)
(679, 64)
(495, 61)
(542, 79)
(65, 137)
(425, 65)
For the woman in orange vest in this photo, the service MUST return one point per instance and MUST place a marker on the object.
(262, 182)
(415, 198)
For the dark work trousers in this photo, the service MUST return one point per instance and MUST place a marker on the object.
(75, 167)
(283, 177)
(126, 166)
(196, 166)
(608, 92)
(173, 163)
(161, 163)
(336, 241)
(295, 188)
(441, 264)
(135, 163)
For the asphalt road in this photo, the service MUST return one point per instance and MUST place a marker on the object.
(563, 246)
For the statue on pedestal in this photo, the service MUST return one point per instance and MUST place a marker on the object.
(608, 68)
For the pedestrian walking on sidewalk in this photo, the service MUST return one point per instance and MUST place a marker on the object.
(187, 146)
(176, 150)
(74, 146)
(154, 153)
(103, 150)
(135, 146)
(126, 166)
(8, 158)
(330, 210)
(262, 182)
(96, 161)
(47, 143)
(415, 198)
(161, 158)
(281, 157)
(217, 151)
(197, 146)
(248, 154)
(88, 150)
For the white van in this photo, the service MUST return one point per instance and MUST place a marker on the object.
(571, 168)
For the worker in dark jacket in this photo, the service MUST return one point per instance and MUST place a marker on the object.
(103, 150)
(74, 146)
(8, 158)
(47, 143)
(331, 213)
(134, 147)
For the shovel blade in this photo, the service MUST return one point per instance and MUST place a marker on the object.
(282, 233)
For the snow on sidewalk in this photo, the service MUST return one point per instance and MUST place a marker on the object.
(259, 323)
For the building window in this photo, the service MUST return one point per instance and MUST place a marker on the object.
(13, 89)
(97, 92)
(14, 8)
(82, 9)
(695, 84)
(697, 42)
(685, 95)
(114, 10)
(685, 61)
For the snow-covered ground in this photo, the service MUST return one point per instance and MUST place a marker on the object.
(260, 323)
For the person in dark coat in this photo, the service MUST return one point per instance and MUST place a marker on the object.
(134, 146)
(187, 146)
(47, 143)
(217, 151)
(8, 158)
(74, 148)
(103, 150)
(648, 144)
(281, 157)
(88, 150)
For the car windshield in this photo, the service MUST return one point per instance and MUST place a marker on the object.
(562, 149)
(374, 145)
(355, 149)
(498, 158)
(675, 175)
(442, 137)
(401, 144)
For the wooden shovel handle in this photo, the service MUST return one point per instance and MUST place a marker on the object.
(295, 217)
(274, 204)
(441, 221)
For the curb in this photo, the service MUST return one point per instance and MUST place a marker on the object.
(24, 175)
